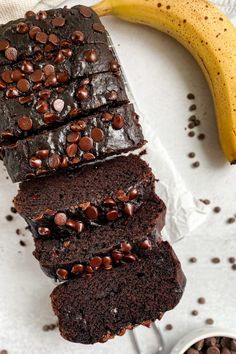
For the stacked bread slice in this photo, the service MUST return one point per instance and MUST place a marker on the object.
(94, 215)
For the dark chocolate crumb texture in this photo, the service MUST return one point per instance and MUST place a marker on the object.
(95, 137)
(49, 31)
(125, 296)
(104, 247)
(67, 203)
(50, 107)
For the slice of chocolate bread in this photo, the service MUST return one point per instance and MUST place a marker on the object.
(91, 138)
(48, 31)
(95, 308)
(50, 107)
(67, 203)
(106, 246)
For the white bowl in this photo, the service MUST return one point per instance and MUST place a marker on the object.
(187, 341)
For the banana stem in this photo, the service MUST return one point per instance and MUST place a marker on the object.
(103, 8)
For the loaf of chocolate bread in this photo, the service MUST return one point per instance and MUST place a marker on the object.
(65, 204)
(97, 307)
(91, 138)
(48, 108)
(48, 31)
(103, 247)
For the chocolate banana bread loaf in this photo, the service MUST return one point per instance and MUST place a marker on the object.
(67, 203)
(105, 246)
(91, 138)
(97, 307)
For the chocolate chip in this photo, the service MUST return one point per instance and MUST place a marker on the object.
(88, 156)
(62, 273)
(37, 75)
(145, 245)
(33, 31)
(44, 231)
(118, 122)
(60, 219)
(77, 37)
(51, 80)
(23, 85)
(77, 268)
(128, 209)
(133, 194)
(215, 260)
(232, 260)
(191, 155)
(62, 77)
(90, 56)
(48, 69)
(107, 117)
(12, 92)
(169, 327)
(54, 161)
(79, 226)
(11, 54)
(9, 217)
(35, 162)
(78, 126)
(107, 262)
(194, 312)
(54, 39)
(25, 99)
(125, 247)
(193, 107)
(67, 52)
(2, 85)
(201, 300)
(42, 106)
(96, 262)
(73, 137)
(92, 213)
(49, 117)
(191, 134)
(112, 215)
(114, 65)
(58, 105)
(7, 76)
(4, 44)
(193, 260)
(196, 164)
(98, 27)
(82, 93)
(41, 37)
(88, 269)
(27, 67)
(42, 15)
(201, 136)
(230, 220)
(86, 143)
(122, 196)
(112, 96)
(58, 22)
(42, 154)
(85, 11)
(116, 255)
(17, 75)
(97, 134)
(45, 94)
(22, 27)
(217, 210)
(129, 258)
(25, 123)
(109, 202)
(71, 150)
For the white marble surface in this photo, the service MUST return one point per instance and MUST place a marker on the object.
(160, 73)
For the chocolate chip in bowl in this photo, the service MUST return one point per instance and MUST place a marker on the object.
(207, 341)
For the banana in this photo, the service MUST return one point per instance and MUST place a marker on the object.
(207, 34)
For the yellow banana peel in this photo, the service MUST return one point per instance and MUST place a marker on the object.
(207, 34)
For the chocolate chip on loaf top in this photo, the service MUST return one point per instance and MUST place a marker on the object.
(112, 132)
(104, 247)
(96, 308)
(66, 203)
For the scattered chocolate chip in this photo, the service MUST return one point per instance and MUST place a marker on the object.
(33, 31)
(97, 134)
(92, 212)
(169, 327)
(209, 321)
(193, 107)
(201, 300)
(201, 136)
(42, 106)
(88, 156)
(86, 143)
(58, 22)
(107, 117)
(23, 85)
(112, 96)
(22, 27)
(42, 15)
(191, 134)
(77, 268)
(17, 75)
(133, 194)
(50, 117)
(190, 96)
(35, 162)
(128, 209)
(82, 93)
(98, 27)
(11, 54)
(90, 56)
(22, 243)
(114, 65)
(230, 220)
(217, 210)
(232, 260)
(7, 76)
(54, 161)
(85, 11)
(51, 80)
(27, 67)
(12, 92)
(41, 37)
(77, 37)
(37, 75)
(78, 126)
(62, 273)
(58, 105)
(194, 312)
(193, 260)
(118, 122)
(96, 262)
(60, 219)
(53, 39)
(129, 258)
(215, 260)
(25, 123)
(145, 245)
(107, 262)
(196, 164)
(9, 217)
(71, 150)
(191, 155)
(112, 215)
(4, 44)
(125, 247)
